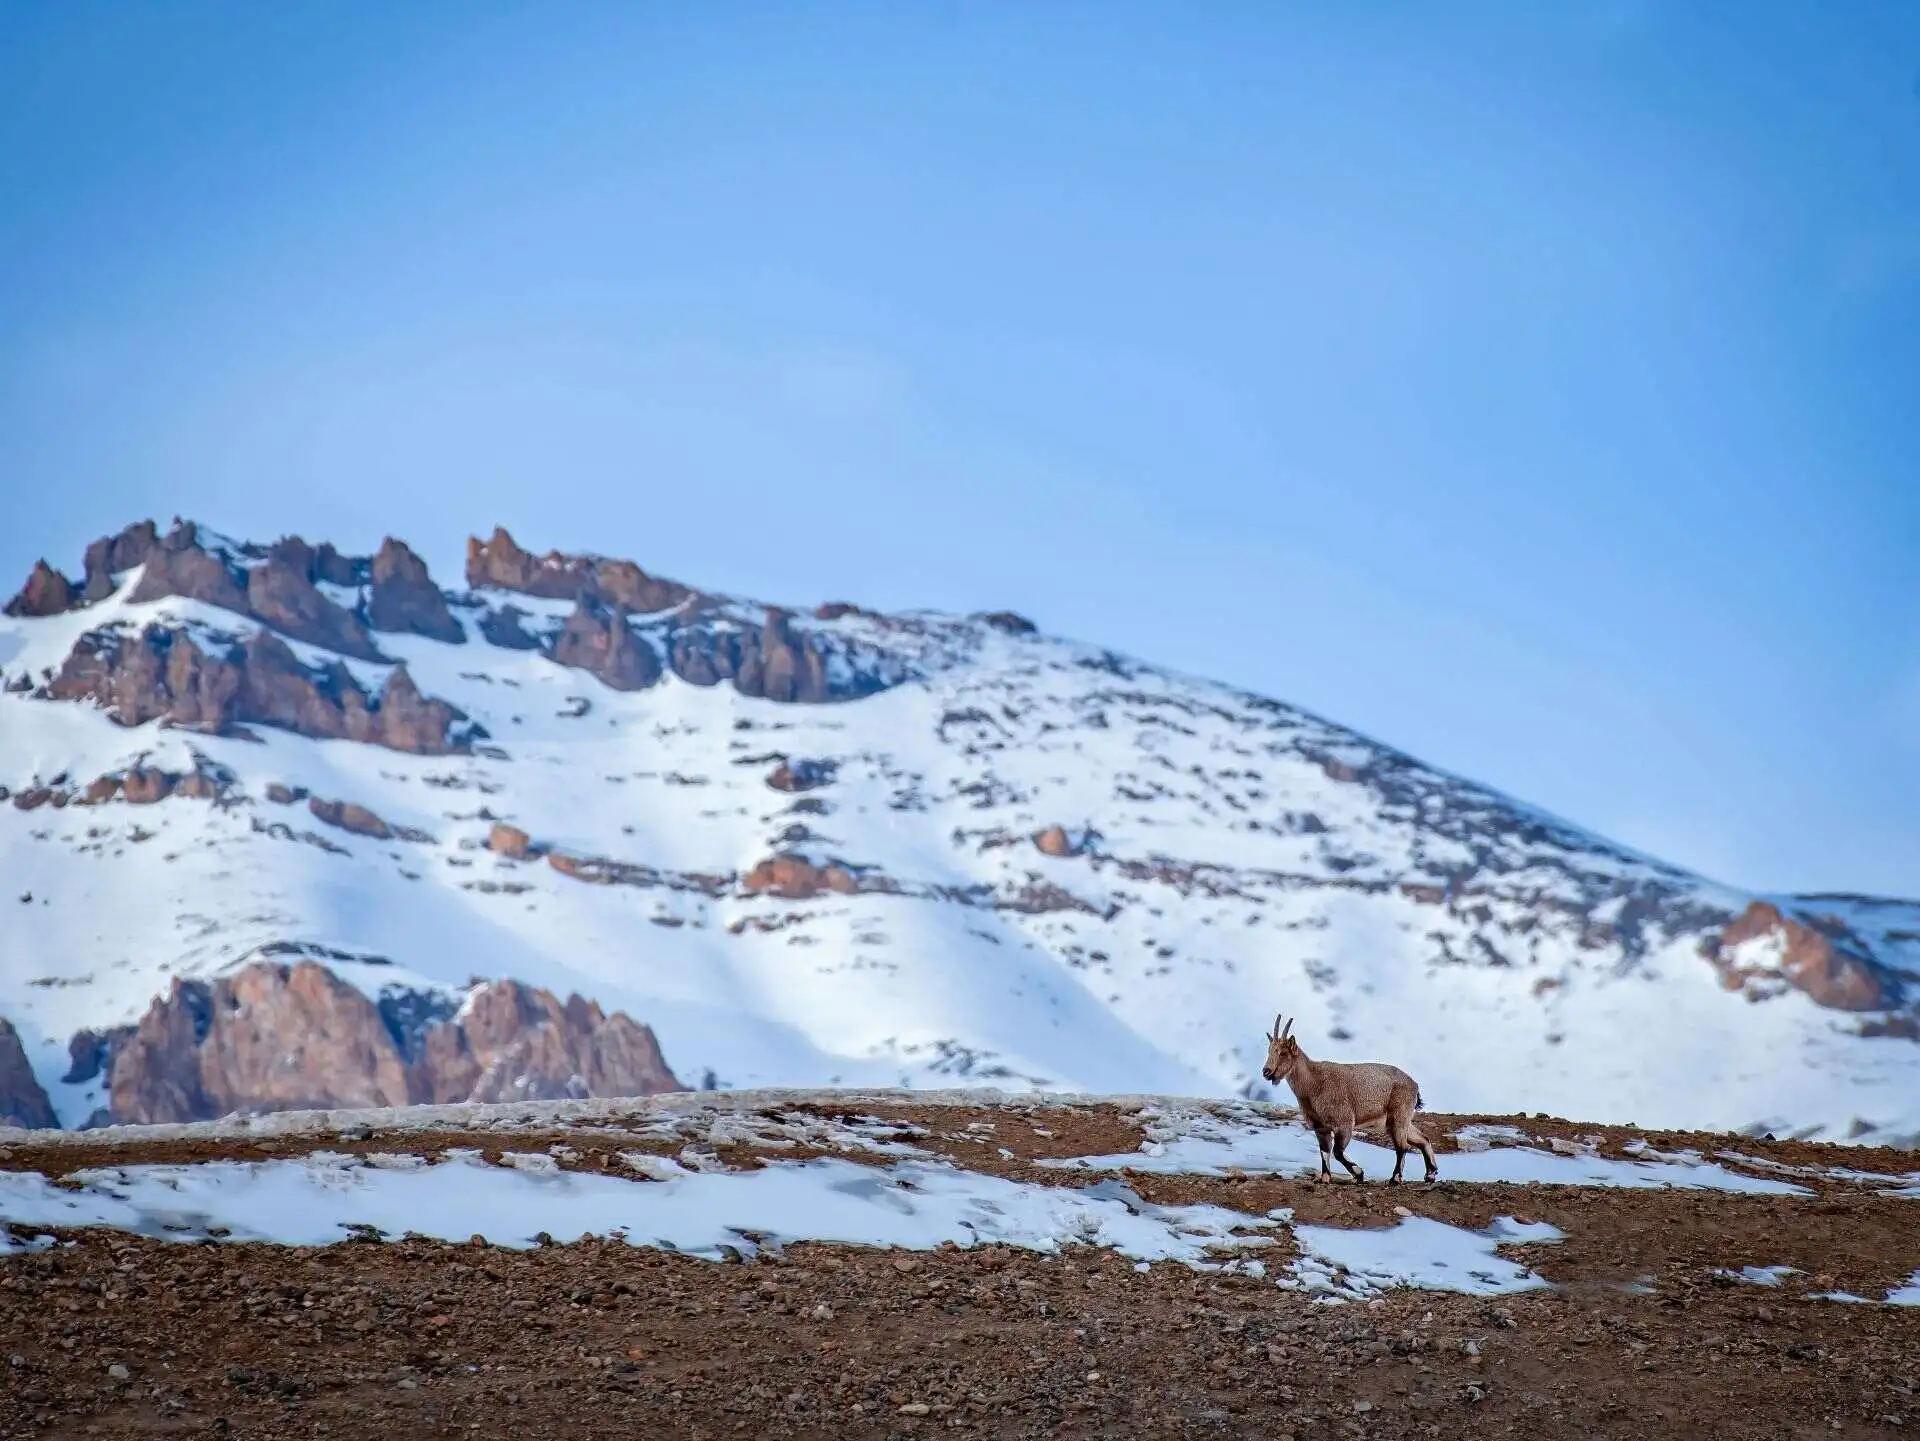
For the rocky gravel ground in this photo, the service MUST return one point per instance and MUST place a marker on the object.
(110, 1334)
(118, 1336)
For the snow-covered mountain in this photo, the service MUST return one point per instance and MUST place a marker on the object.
(830, 847)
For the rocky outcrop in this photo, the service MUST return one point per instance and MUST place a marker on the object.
(47, 592)
(771, 663)
(178, 565)
(23, 1102)
(321, 563)
(272, 1037)
(112, 555)
(703, 639)
(704, 642)
(512, 1042)
(1763, 942)
(601, 871)
(279, 590)
(499, 564)
(164, 674)
(143, 785)
(284, 597)
(346, 816)
(793, 776)
(598, 640)
(1059, 842)
(794, 878)
(511, 842)
(403, 597)
(267, 1038)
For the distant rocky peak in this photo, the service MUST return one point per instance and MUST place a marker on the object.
(627, 627)
(498, 563)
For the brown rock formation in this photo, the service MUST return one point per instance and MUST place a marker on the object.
(515, 1043)
(793, 776)
(321, 563)
(795, 879)
(772, 663)
(113, 554)
(350, 817)
(500, 564)
(163, 674)
(279, 591)
(159, 674)
(22, 1100)
(1809, 961)
(284, 597)
(274, 1037)
(47, 592)
(599, 641)
(269, 1038)
(99, 791)
(510, 841)
(404, 598)
(178, 565)
(1055, 841)
(600, 871)
(143, 787)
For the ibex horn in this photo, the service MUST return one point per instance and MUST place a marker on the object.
(1277, 1018)
(1288, 1032)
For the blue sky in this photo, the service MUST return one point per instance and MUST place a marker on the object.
(1534, 387)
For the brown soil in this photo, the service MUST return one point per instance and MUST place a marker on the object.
(420, 1338)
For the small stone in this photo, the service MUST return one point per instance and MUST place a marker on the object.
(1360, 1408)
(1470, 1348)
(1476, 1393)
(1093, 1376)
(407, 1383)
(119, 1372)
(1401, 1211)
(906, 1265)
(915, 1408)
(823, 1312)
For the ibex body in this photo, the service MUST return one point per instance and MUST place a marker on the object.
(1337, 1099)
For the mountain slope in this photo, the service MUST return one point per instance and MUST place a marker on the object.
(847, 848)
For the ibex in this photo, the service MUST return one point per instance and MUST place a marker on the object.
(1335, 1100)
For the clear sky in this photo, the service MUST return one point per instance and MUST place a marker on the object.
(1535, 387)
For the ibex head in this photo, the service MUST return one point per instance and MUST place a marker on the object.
(1282, 1053)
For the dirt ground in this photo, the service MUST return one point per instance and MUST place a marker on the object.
(116, 1335)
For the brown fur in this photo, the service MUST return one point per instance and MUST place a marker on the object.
(1336, 1100)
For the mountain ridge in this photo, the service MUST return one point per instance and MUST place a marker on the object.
(1104, 871)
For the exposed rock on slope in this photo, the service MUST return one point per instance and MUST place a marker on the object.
(512, 1042)
(273, 1037)
(403, 597)
(1827, 962)
(47, 592)
(114, 555)
(165, 673)
(597, 639)
(23, 1101)
(499, 564)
